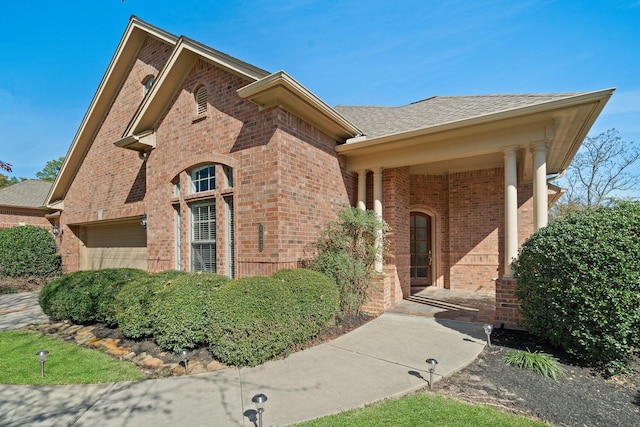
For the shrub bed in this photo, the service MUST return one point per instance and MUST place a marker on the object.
(133, 303)
(86, 296)
(28, 251)
(579, 282)
(257, 318)
(179, 311)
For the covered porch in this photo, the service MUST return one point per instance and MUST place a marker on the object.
(462, 195)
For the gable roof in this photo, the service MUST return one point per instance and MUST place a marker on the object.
(31, 193)
(263, 88)
(382, 121)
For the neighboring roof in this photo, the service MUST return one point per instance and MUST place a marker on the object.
(31, 193)
(437, 110)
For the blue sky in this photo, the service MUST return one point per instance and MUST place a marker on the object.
(353, 52)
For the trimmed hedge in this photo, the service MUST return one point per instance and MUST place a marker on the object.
(86, 296)
(579, 282)
(179, 311)
(134, 301)
(28, 251)
(257, 318)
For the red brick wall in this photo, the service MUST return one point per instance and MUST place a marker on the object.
(287, 175)
(395, 211)
(430, 194)
(11, 216)
(468, 210)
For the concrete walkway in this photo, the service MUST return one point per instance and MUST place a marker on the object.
(382, 359)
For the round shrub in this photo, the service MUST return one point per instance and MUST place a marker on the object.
(86, 296)
(315, 300)
(257, 318)
(134, 301)
(28, 251)
(579, 282)
(179, 311)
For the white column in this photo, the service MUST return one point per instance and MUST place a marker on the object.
(377, 208)
(510, 208)
(540, 191)
(362, 189)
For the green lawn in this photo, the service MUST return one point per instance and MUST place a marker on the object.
(66, 364)
(422, 410)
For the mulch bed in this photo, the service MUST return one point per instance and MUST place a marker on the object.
(581, 397)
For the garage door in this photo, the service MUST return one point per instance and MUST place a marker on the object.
(122, 245)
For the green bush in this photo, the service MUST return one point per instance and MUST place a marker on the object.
(179, 311)
(315, 300)
(579, 282)
(257, 318)
(134, 301)
(28, 251)
(346, 251)
(86, 296)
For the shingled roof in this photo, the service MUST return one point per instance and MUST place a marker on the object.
(437, 110)
(31, 193)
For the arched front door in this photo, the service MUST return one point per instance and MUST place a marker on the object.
(421, 250)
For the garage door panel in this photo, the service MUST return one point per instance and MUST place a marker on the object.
(121, 245)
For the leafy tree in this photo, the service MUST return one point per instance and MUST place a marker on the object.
(5, 181)
(346, 251)
(600, 169)
(5, 166)
(50, 170)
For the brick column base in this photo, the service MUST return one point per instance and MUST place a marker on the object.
(508, 312)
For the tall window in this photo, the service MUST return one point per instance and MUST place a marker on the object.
(203, 179)
(203, 236)
(230, 247)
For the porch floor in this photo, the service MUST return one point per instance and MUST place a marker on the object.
(467, 306)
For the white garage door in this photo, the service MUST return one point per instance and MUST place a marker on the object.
(122, 245)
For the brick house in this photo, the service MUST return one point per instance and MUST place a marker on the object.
(190, 159)
(24, 204)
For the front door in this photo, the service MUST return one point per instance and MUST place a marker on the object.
(421, 251)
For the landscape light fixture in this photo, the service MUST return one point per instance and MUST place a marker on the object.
(432, 367)
(259, 400)
(487, 330)
(185, 360)
(42, 357)
(143, 220)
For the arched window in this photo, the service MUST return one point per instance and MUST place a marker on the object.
(201, 100)
(147, 83)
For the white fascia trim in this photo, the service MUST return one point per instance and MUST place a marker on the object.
(281, 78)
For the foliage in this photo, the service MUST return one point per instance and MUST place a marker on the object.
(256, 318)
(315, 300)
(67, 363)
(422, 409)
(346, 251)
(541, 363)
(598, 171)
(28, 251)
(579, 282)
(5, 181)
(179, 311)
(133, 303)
(50, 170)
(86, 296)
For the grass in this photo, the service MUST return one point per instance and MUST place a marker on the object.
(541, 363)
(422, 409)
(67, 363)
